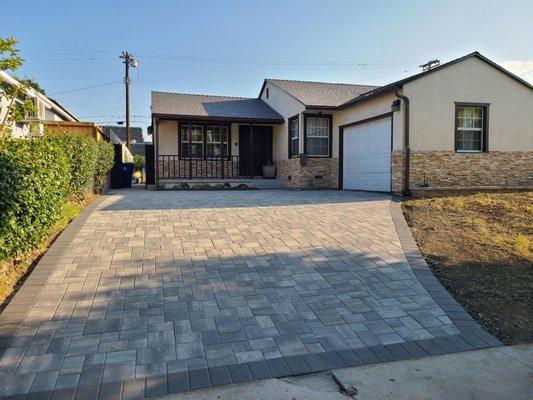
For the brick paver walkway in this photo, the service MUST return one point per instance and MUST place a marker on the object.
(168, 291)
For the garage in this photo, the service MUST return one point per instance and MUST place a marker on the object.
(366, 155)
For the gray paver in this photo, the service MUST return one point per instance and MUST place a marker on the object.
(150, 284)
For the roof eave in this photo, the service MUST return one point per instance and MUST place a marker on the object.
(218, 119)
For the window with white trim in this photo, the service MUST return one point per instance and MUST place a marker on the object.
(204, 140)
(470, 129)
(294, 137)
(317, 136)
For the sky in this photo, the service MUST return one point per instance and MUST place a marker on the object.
(228, 47)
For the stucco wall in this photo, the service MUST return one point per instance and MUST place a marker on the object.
(167, 137)
(432, 108)
(370, 108)
(287, 106)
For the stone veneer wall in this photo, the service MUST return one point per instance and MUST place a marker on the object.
(317, 173)
(451, 170)
(397, 170)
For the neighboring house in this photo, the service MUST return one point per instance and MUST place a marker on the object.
(117, 134)
(466, 124)
(45, 110)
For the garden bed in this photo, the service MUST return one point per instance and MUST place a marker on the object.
(480, 247)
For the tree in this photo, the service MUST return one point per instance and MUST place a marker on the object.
(138, 162)
(13, 110)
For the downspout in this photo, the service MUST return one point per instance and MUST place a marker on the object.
(406, 190)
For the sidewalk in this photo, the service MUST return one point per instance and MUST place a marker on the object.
(497, 373)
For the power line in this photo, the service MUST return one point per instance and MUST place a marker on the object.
(85, 88)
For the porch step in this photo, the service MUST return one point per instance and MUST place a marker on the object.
(252, 183)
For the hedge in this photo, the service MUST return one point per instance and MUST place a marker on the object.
(37, 177)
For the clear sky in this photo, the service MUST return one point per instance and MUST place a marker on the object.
(229, 47)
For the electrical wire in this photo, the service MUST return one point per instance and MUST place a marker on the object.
(85, 88)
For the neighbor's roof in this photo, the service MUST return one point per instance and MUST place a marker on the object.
(320, 94)
(218, 108)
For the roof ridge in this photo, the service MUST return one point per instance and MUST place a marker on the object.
(204, 95)
(326, 83)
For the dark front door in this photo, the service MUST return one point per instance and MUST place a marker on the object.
(255, 148)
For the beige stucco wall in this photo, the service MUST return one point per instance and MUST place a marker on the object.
(288, 107)
(432, 108)
(167, 136)
(370, 108)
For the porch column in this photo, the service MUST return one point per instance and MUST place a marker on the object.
(221, 155)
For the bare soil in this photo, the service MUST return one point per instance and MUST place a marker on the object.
(480, 247)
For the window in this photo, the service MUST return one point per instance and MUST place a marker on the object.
(470, 132)
(198, 140)
(216, 141)
(294, 136)
(317, 136)
(267, 93)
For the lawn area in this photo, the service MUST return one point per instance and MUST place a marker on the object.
(14, 271)
(480, 247)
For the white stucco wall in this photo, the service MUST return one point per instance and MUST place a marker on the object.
(288, 107)
(432, 108)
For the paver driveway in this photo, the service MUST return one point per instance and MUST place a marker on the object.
(167, 291)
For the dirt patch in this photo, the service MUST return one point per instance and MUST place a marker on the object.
(481, 249)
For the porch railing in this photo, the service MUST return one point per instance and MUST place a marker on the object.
(228, 167)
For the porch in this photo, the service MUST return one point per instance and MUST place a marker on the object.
(213, 138)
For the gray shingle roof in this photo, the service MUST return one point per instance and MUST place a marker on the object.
(321, 94)
(120, 131)
(212, 107)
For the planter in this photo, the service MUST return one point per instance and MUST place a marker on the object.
(269, 171)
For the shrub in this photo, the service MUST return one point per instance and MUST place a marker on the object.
(106, 159)
(138, 162)
(37, 177)
(82, 152)
(34, 184)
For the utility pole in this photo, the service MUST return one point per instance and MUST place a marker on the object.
(128, 60)
(430, 65)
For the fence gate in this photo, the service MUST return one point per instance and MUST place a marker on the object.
(116, 171)
(149, 160)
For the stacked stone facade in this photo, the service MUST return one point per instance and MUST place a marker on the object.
(451, 170)
(397, 170)
(311, 173)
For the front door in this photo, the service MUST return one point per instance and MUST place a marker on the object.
(255, 148)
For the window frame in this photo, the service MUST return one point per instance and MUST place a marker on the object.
(484, 129)
(203, 125)
(330, 134)
(291, 139)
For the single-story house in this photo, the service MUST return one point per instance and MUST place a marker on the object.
(466, 124)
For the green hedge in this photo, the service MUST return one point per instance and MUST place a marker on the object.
(37, 177)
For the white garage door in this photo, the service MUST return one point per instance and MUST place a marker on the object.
(367, 156)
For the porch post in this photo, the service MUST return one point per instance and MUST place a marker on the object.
(221, 155)
(190, 148)
(252, 158)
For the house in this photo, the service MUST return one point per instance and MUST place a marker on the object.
(46, 110)
(117, 134)
(466, 124)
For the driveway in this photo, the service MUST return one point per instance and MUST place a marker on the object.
(166, 291)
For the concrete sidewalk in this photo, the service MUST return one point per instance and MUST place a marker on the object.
(489, 374)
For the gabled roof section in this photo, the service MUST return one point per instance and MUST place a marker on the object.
(219, 108)
(320, 94)
(401, 82)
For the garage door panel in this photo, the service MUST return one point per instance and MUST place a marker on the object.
(367, 156)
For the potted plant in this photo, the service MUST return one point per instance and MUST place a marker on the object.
(269, 169)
